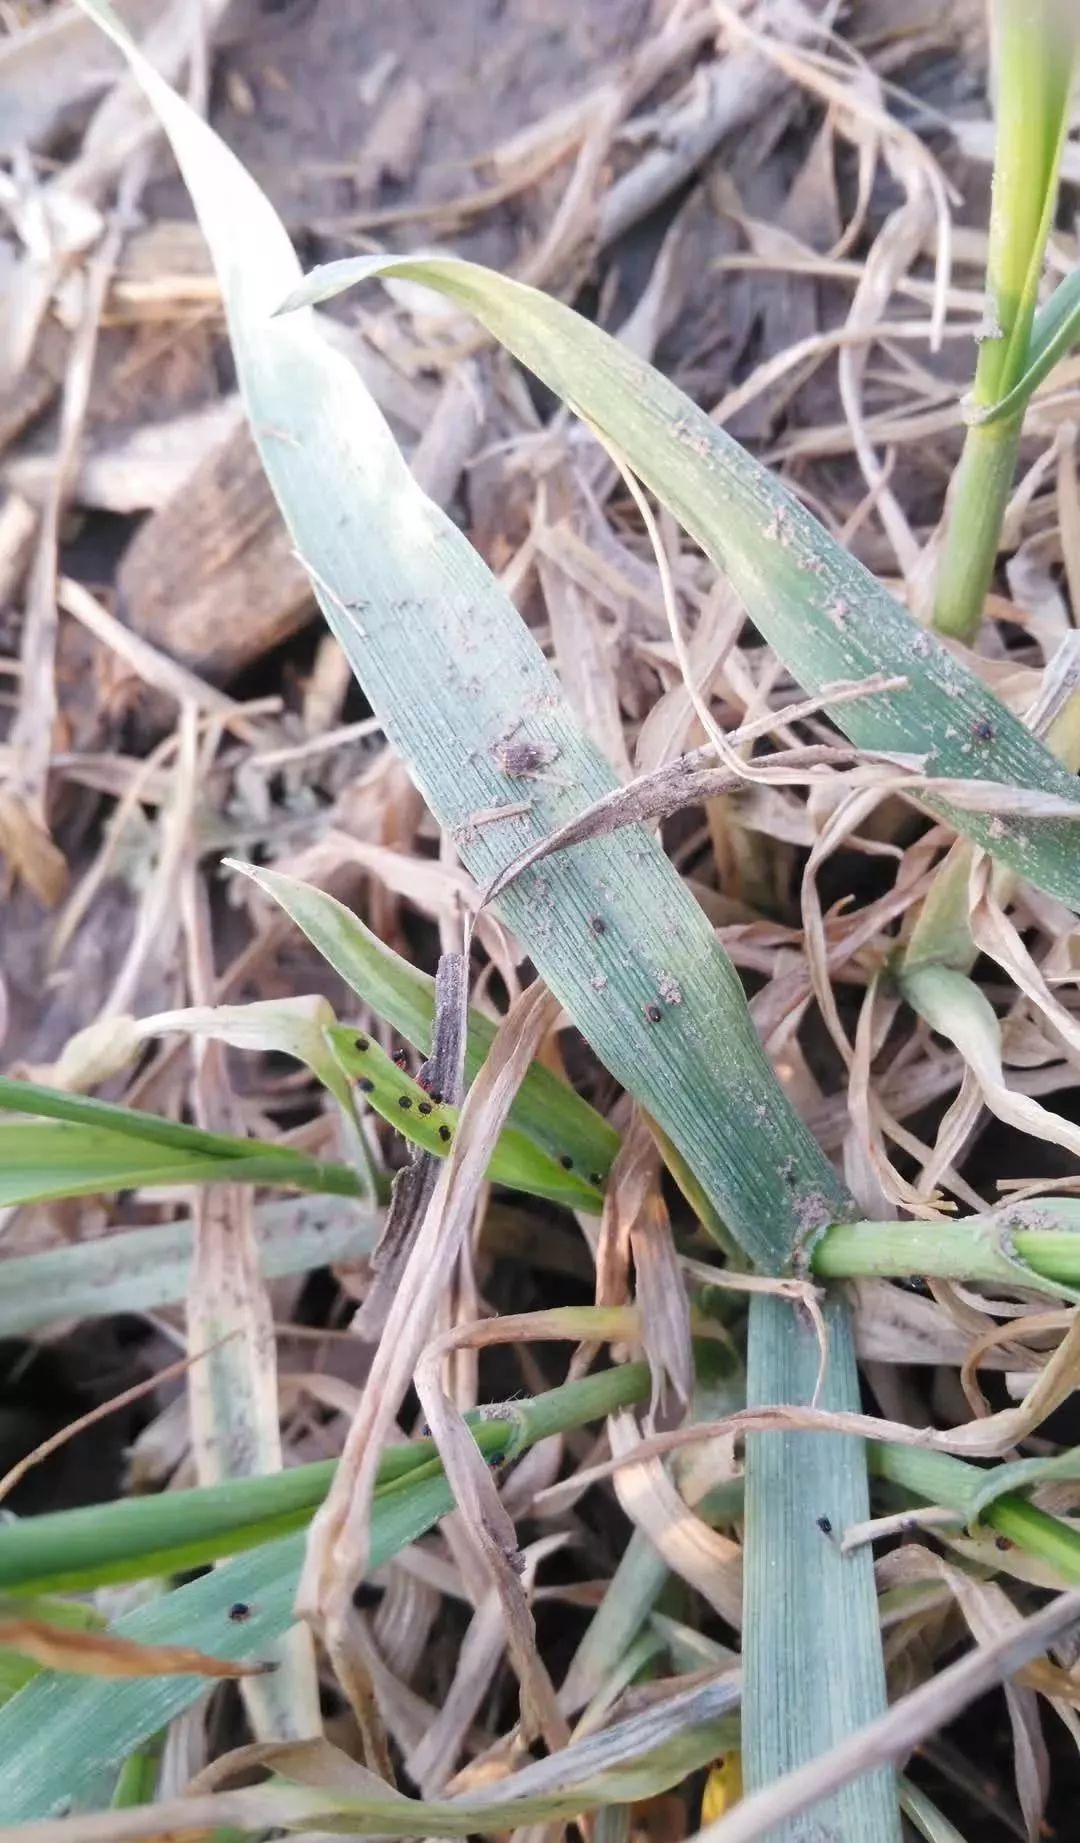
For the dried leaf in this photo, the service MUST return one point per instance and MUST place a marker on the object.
(30, 851)
(635, 1201)
(232, 1397)
(993, 933)
(482, 1649)
(892, 1736)
(338, 1543)
(414, 1185)
(989, 1614)
(955, 1007)
(102, 1654)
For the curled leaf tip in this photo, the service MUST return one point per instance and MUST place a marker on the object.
(312, 288)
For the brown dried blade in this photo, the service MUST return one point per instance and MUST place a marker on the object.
(646, 801)
(414, 1186)
(338, 1544)
(102, 1654)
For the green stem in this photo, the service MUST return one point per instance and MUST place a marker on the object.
(133, 1538)
(1036, 46)
(938, 1478)
(977, 501)
(991, 1248)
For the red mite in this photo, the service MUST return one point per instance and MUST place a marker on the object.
(401, 1057)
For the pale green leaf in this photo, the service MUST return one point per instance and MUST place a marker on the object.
(954, 1006)
(138, 1270)
(294, 1026)
(1056, 327)
(632, 1760)
(450, 668)
(924, 1814)
(545, 1108)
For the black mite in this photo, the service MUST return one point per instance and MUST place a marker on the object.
(365, 1084)
(597, 924)
(825, 1525)
(363, 1043)
(444, 1134)
(566, 1161)
(423, 1106)
(403, 1100)
(653, 1013)
(595, 1178)
(239, 1611)
(983, 730)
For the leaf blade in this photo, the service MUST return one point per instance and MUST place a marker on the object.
(413, 604)
(1056, 327)
(199, 1157)
(545, 1108)
(825, 615)
(795, 1706)
(138, 1270)
(56, 1733)
(517, 1161)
